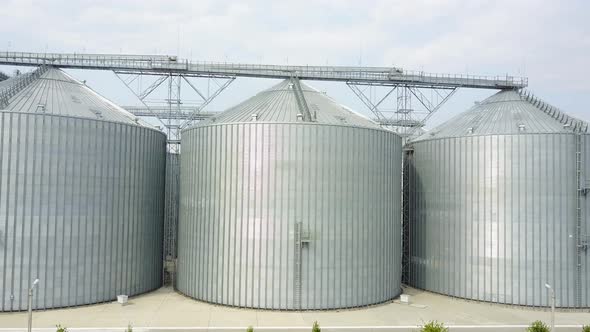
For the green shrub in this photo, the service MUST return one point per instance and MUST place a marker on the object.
(316, 327)
(250, 329)
(60, 328)
(586, 328)
(434, 326)
(129, 328)
(538, 326)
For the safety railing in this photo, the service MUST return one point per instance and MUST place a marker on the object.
(165, 63)
(18, 84)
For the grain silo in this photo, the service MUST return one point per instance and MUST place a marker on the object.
(290, 201)
(81, 195)
(497, 204)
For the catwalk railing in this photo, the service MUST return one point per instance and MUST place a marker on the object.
(158, 64)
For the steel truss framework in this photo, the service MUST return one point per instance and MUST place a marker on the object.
(171, 209)
(418, 94)
(171, 113)
(158, 64)
(406, 210)
(412, 107)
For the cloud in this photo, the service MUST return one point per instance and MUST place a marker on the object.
(548, 41)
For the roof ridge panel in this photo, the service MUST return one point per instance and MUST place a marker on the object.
(279, 104)
(63, 95)
(506, 112)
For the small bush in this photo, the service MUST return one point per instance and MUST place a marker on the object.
(129, 328)
(538, 326)
(316, 327)
(250, 329)
(60, 328)
(586, 328)
(434, 326)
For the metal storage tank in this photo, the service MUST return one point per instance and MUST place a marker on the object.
(290, 201)
(497, 204)
(81, 195)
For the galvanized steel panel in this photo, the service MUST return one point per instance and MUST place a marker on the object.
(279, 104)
(57, 93)
(506, 112)
(81, 208)
(493, 218)
(244, 188)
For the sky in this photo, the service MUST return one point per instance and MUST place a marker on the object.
(546, 41)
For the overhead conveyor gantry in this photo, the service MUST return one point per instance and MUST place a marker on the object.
(418, 94)
(157, 65)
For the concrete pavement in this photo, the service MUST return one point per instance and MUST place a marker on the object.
(458, 328)
(166, 310)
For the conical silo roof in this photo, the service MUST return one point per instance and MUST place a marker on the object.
(52, 91)
(281, 104)
(507, 112)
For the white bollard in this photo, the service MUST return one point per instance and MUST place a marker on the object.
(404, 298)
(122, 299)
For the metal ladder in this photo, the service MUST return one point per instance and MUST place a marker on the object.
(297, 274)
(581, 245)
(302, 237)
(406, 214)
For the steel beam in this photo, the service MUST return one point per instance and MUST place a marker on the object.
(183, 113)
(405, 119)
(195, 115)
(158, 65)
(127, 84)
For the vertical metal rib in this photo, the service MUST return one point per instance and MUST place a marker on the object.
(513, 204)
(61, 210)
(258, 203)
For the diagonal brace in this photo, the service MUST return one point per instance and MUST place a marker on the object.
(194, 115)
(373, 107)
(140, 99)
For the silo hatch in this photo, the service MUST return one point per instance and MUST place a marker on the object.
(302, 235)
(305, 237)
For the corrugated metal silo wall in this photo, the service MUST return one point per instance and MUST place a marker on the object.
(246, 187)
(81, 208)
(493, 218)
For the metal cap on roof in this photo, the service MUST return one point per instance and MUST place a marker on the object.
(51, 91)
(507, 112)
(283, 103)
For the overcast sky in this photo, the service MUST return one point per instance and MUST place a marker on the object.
(547, 41)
